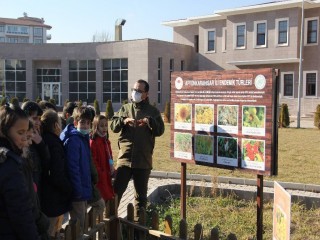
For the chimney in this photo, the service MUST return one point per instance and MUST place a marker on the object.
(118, 29)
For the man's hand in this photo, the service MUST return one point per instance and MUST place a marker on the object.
(129, 121)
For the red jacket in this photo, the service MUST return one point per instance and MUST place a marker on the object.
(101, 153)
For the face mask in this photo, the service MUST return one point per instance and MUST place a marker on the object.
(136, 97)
(83, 131)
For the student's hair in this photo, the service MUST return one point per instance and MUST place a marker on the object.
(30, 125)
(81, 113)
(93, 112)
(48, 120)
(146, 84)
(9, 115)
(68, 108)
(31, 107)
(44, 105)
(95, 124)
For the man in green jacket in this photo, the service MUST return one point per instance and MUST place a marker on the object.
(138, 123)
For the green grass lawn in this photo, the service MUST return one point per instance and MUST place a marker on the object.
(298, 157)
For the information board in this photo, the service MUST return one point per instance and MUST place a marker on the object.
(281, 213)
(225, 119)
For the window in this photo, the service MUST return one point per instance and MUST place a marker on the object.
(115, 80)
(2, 39)
(82, 80)
(182, 65)
(311, 31)
(37, 41)
(24, 30)
(13, 77)
(224, 39)
(211, 38)
(260, 29)
(240, 36)
(47, 75)
(37, 32)
(23, 40)
(12, 40)
(287, 84)
(171, 65)
(159, 79)
(2, 28)
(282, 30)
(196, 43)
(310, 84)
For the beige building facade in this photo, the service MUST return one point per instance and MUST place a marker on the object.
(259, 36)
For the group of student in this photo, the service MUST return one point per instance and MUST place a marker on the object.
(51, 167)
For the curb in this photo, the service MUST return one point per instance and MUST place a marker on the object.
(237, 181)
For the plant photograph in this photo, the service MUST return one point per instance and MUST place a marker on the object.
(204, 114)
(183, 142)
(204, 144)
(253, 116)
(227, 147)
(182, 112)
(228, 115)
(253, 150)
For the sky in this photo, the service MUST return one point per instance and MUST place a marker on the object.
(74, 21)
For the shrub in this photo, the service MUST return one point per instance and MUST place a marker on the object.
(109, 110)
(79, 104)
(52, 101)
(3, 101)
(39, 99)
(167, 112)
(317, 117)
(14, 101)
(96, 107)
(284, 118)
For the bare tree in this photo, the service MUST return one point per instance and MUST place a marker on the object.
(100, 37)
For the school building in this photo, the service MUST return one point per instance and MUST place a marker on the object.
(278, 34)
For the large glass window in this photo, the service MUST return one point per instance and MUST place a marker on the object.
(260, 28)
(311, 31)
(282, 31)
(82, 80)
(287, 84)
(211, 40)
(310, 83)
(13, 78)
(115, 80)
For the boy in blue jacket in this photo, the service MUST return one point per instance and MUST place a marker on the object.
(75, 139)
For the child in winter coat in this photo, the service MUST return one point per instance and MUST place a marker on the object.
(102, 156)
(17, 218)
(75, 138)
(56, 191)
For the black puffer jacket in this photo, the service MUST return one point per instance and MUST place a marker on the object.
(16, 216)
(56, 188)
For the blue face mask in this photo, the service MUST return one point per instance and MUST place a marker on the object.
(83, 131)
